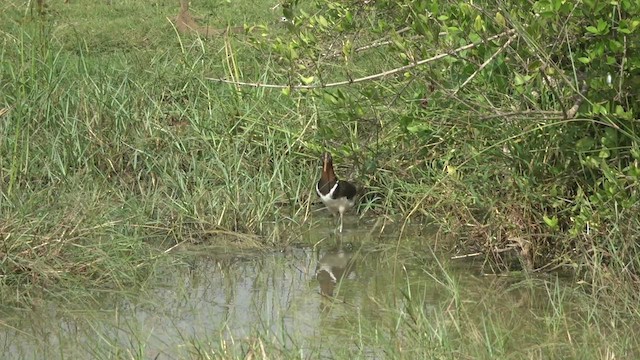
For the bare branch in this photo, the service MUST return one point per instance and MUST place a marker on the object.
(366, 78)
(490, 59)
(571, 113)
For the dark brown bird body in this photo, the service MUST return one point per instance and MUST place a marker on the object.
(337, 195)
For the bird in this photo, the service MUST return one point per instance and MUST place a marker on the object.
(335, 265)
(337, 195)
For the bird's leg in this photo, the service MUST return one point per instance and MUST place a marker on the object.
(340, 221)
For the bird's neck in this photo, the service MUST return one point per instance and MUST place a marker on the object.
(327, 180)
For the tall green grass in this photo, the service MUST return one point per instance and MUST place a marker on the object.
(114, 148)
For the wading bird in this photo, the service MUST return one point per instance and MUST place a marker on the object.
(335, 265)
(337, 195)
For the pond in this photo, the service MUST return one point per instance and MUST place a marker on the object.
(353, 295)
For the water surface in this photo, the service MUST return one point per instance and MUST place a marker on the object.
(351, 295)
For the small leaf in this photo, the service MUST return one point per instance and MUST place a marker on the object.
(293, 54)
(592, 162)
(551, 222)
(478, 24)
(500, 20)
(521, 80)
(610, 137)
(593, 30)
(602, 26)
(416, 127)
(399, 44)
(348, 16)
(584, 60)
(599, 109)
(452, 170)
(323, 22)
(330, 98)
(306, 80)
(585, 144)
(346, 49)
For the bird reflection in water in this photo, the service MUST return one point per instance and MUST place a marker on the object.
(335, 265)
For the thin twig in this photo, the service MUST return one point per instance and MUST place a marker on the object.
(366, 78)
(552, 86)
(571, 113)
(484, 64)
(174, 246)
(622, 64)
(580, 92)
(381, 42)
(466, 256)
(373, 45)
(545, 114)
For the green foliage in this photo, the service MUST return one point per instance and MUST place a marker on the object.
(543, 115)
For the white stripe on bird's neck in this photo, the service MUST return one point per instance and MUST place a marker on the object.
(329, 195)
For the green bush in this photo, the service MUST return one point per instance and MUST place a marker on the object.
(531, 128)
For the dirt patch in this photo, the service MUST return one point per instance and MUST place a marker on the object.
(186, 24)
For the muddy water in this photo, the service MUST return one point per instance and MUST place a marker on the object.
(315, 299)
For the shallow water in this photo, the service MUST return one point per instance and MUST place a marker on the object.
(314, 299)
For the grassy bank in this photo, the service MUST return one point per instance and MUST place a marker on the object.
(106, 160)
(115, 144)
